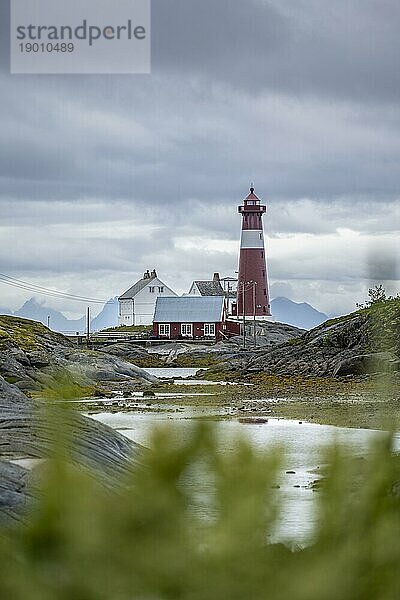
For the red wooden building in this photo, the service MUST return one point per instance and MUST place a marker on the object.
(191, 317)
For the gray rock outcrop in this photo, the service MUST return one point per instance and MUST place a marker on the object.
(31, 355)
(32, 429)
(341, 347)
(15, 495)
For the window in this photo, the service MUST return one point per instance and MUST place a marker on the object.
(161, 289)
(186, 329)
(163, 329)
(209, 328)
(152, 289)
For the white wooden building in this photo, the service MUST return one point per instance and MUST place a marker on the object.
(137, 304)
(207, 288)
(215, 287)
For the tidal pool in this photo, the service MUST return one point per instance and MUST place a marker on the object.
(302, 442)
(171, 372)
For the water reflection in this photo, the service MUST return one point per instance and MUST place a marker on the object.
(303, 443)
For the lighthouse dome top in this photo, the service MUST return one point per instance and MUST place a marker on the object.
(252, 196)
(251, 204)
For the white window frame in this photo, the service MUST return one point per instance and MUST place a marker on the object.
(164, 329)
(209, 329)
(187, 329)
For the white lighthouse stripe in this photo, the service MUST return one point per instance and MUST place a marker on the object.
(252, 238)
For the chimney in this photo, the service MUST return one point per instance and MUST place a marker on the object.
(216, 277)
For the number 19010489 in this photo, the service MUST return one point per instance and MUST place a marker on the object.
(48, 47)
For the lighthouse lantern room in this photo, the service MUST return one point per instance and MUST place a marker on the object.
(252, 290)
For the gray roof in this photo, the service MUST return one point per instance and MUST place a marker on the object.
(209, 288)
(189, 309)
(136, 288)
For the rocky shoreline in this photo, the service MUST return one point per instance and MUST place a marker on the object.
(344, 372)
(28, 429)
(32, 360)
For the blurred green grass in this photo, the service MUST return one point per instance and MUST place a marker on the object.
(148, 540)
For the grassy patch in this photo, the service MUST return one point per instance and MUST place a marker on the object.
(11, 378)
(357, 413)
(148, 361)
(202, 362)
(310, 386)
(25, 334)
(134, 329)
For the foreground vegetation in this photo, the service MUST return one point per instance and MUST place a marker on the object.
(165, 537)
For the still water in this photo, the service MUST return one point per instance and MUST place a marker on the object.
(172, 373)
(302, 442)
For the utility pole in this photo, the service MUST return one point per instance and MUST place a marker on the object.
(244, 315)
(254, 313)
(88, 326)
(48, 321)
(226, 294)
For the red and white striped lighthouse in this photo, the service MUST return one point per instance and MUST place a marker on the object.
(252, 291)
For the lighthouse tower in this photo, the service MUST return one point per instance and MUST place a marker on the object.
(252, 290)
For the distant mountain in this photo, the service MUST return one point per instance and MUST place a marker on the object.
(36, 311)
(301, 315)
(108, 317)
(298, 314)
(32, 309)
(5, 311)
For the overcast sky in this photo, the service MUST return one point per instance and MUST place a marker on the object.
(105, 176)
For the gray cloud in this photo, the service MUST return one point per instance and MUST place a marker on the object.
(342, 49)
(65, 145)
(103, 176)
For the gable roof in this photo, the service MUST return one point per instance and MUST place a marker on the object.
(137, 287)
(189, 309)
(209, 288)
